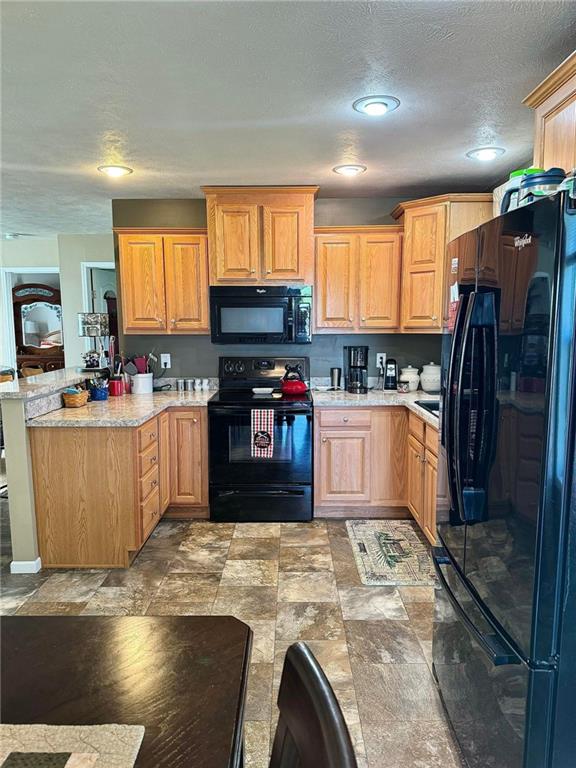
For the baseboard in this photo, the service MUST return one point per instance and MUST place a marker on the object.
(186, 513)
(25, 566)
(382, 513)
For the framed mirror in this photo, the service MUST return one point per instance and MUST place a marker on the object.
(38, 326)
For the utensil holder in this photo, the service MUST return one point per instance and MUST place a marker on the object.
(142, 383)
(99, 393)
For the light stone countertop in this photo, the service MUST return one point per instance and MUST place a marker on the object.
(134, 410)
(375, 399)
(43, 384)
(125, 411)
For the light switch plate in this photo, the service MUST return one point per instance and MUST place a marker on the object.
(166, 361)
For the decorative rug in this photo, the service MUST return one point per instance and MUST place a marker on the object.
(69, 746)
(391, 552)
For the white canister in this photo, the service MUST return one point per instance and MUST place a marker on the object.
(410, 374)
(142, 383)
(430, 378)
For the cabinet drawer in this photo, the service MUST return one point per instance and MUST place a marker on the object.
(147, 434)
(147, 459)
(431, 439)
(150, 513)
(345, 417)
(149, 483)
(416, 426)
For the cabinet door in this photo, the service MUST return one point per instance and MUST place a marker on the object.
(379, 281)
(285, 242)
(236, 242)
(415, 478)
(187, 457)
(344, 466)
(389, 430)
(186, 268)
(142, 283)
(430, 490)
(423, 267)
(336, 258)
(164, 430)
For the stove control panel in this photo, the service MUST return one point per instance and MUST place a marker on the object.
(255, 371)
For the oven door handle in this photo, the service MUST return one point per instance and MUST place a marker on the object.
(262, 492)
(239, 409)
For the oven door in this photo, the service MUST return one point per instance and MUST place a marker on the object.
(232, 454)
(250, 320)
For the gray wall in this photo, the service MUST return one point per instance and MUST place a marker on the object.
(197, 356)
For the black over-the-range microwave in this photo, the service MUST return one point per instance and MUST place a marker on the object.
(262, 314)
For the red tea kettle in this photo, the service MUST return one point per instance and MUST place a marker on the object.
(292, 382)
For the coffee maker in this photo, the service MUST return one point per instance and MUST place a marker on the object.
(356, 370)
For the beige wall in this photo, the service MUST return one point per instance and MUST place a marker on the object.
(73, 251)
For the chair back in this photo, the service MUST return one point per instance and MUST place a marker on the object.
(311, 730)
(29, 370)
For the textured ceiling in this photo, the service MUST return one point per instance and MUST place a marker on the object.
(192, 93)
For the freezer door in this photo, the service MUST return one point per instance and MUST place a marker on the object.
(516, 272)
(483, 684)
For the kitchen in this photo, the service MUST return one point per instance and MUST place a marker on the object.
(322, 367)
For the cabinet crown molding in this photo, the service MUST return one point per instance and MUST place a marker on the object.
(550, 84)
(456, 197)
(259, 190)
(159, 230)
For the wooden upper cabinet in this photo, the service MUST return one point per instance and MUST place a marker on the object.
(423, 267)
(164, 283)
(260, 235)
(336, 258)
(186, 274)
(554, 102)
(379, 275)
(284, 242)
(142, 283)
(429, 225)
(236, 242)
(358, 279)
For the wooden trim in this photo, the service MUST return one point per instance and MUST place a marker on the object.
(186, 512)
(550, 84)
(360, 229)
(384, 513)
(458, 197)
(273, 190)
(160, 230)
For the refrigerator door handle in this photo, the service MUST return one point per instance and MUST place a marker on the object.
(498, 653)
(447, 435)
(458, 404)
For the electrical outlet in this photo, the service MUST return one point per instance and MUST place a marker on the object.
(166, 361)
(381, 360)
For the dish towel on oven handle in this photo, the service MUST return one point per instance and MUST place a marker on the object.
(262, 434)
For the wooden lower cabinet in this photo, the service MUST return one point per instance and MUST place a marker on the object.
(422, 457)
(358, 459)
(188, 457)
(165, 487)
(100, 491)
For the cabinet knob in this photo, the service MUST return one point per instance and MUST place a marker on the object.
(152, 435)
(152, 459)
(349, 319)
(159, 320)
(324, 439)
(434, 317)
(345, 418)
(173, 321)
(252, 271)
(268, 271)
(154, 482)
(363, 319)
(195, 421)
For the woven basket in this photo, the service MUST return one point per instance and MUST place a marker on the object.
(76, 400)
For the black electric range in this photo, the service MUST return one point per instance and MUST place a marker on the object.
(260, 445)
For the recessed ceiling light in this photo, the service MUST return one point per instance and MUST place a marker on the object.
(115, 170)
(485, 154)
(376, 106)
(349, 170)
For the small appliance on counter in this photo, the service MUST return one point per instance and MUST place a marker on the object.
(356, 370)
(391, 375)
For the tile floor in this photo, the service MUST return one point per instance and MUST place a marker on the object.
(288, 582)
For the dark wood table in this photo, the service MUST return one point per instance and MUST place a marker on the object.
(182, 678)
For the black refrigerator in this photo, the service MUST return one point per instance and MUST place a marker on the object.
(504, 645)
